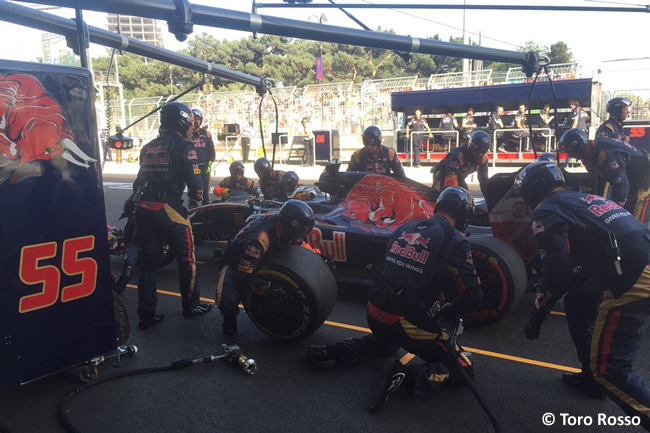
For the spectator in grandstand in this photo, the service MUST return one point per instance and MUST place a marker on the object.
(618, 109)
(417, 124)
(448, 123)
(494, 124)
(463, 161)
(375, 157)
(579, 116)
(468, 126)
(247, 133)
(308, 140)
(548, 120)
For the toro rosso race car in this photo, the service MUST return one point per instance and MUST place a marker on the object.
(351, 232)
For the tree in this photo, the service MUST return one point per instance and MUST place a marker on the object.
(559, 52)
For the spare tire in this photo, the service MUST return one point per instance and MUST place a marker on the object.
(309, 294)
(503, 278)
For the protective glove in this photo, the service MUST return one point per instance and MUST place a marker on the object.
(208, 167)
(534, 324)
(225, 194)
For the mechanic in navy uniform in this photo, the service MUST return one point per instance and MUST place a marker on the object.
(243, 256)
(521, 123)
(417, 124)
(204, 145)
(495, 123)
(236, 182)
(625, 168)
(579, 115)
(167, 164)
(448, 123)
(424, 258)
(269, 179)
(618, 109)
(463, 161)
(607, 300)
(375, 157)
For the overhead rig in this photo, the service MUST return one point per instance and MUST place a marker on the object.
(168, 10)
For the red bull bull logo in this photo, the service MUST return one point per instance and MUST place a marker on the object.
(414, 239)
(33, 128)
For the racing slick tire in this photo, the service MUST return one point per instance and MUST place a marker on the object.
(503, 278)
(308, 294)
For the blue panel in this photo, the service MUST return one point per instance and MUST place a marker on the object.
(51, 203)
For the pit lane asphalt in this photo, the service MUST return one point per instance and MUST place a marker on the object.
(520, 379)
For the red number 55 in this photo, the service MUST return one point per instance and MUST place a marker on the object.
(49, 276)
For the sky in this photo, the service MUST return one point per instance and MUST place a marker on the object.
(595, 38)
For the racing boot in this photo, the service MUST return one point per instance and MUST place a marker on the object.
(197, 311)
(395, 376)
(584, 383)
(325, 353)
(147, 322)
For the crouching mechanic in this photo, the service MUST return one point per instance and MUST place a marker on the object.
(243, 256)
(463, 161)
(375, 157)
(269, 179)
(423, 256)
(167, 164)
(625, 168)
(608, 299)
(235, 182)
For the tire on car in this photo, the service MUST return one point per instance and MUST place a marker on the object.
(309, 296)
(503, 278)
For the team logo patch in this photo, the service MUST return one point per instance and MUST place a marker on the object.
(253, 251)
(538, 227)
(191, 154)
(263, 238)
(197, 170)
(454, 164)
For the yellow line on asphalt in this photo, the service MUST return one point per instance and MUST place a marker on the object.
(408, 357)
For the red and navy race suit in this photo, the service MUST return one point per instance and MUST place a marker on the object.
(167, 164)
(610, 128)
(576, 229)
(627, 171)
(385, 161)
(242, 258)
(244, 184)
(456, 166)
(202, 141)
(270, 186)
(424, 258)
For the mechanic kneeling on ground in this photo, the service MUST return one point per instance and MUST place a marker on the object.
(375, 157)
(167, 164)
(235, 182)
(625, 168)
(243, 256)
(608, 296)
(463, 161)
(422, 258)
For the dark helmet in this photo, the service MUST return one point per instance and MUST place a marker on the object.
(296, 220)
(289, 181)
(175, 116)
(480, 142)
(372, 135)
(537, 180)
(236, 167)
(198, 113)
(574, 143)
(458, 203)
(615, 106)
(263, 168)
(547, 156)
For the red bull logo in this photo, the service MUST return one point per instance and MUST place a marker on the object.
(409, 252)
(33, 128)
(334, 249)
(414, 239)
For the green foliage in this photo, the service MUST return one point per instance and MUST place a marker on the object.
(290, 62)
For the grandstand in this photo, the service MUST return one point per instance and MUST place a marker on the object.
(346, 106)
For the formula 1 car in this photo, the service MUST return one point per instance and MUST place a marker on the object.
(352, 229)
